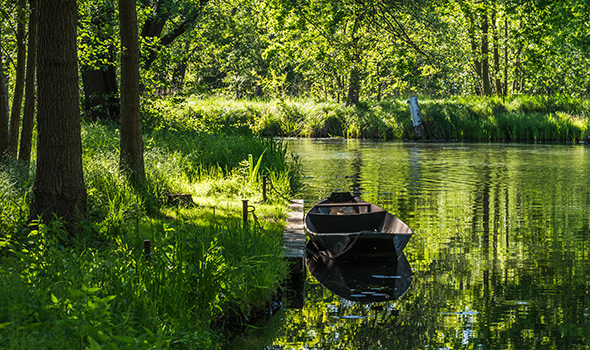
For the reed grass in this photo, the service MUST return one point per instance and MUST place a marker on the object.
(518, 118)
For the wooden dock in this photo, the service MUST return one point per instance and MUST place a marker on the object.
(294, 253)
(294, 238)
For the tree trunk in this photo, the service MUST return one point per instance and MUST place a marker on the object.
(17, 97)
(131, 161)
(475, 51)
(99, 78)
(26, 138)
(506, 56)
(497, 68)
(178, 76)
(154, 26)
(100, 92)
(354, 86)
(59, 183)
(3, 111)
(379, 83)
(485, 53)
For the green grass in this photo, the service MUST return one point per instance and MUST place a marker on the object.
(205, 268)
(516, 119)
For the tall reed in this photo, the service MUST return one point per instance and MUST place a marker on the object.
(560, 118)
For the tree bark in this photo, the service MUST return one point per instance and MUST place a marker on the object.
(475, 51)
(153, 27)
(497, 68)
(100, 92)
(99, 78)
(17, 97)
(506, 56)
(3, 111)
(354, 86)
(354, 81)
(131, 161)
(485, 53)
(59, 189)
(26, 138)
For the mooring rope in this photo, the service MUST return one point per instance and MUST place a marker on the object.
(276, 191)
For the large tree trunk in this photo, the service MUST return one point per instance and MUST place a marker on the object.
(3, 111)
(131, 161)
(26, 138)
(17, 97)
(59, 183)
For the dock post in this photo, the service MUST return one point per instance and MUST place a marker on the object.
(245, 212)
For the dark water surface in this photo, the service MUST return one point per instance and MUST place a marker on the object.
(500, 253)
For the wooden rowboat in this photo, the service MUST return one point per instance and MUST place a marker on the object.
(344, 227)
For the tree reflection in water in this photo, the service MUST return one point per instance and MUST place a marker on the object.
(500, 253)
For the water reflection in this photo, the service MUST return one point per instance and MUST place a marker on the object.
(500, 253)
(364, 281)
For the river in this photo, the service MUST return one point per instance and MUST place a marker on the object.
(500, 254)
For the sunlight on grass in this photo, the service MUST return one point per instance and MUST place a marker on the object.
(204, 267)
(455, 118)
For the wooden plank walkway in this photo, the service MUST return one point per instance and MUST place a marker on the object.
(294, 253)
(294, 238)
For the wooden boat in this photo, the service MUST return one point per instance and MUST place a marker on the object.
(370, 282)
(344, 227)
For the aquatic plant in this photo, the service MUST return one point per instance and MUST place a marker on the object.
(455, 118)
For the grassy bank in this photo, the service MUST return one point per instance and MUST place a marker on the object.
(515, 119)
(203, 271)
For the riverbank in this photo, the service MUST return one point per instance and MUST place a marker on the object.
(514, 119)
(147, 272)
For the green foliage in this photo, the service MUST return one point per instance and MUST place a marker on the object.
(16, 182)
(110, 296)
(100, 290)
(523, 119)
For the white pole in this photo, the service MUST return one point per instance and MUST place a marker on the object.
(416, 116)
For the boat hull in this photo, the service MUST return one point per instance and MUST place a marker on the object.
(370, 282)
(351, 228)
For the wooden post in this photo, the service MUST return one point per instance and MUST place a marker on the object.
(264, 188)
(245, 212)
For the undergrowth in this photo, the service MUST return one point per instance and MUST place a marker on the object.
(516, 118)
(146, 272)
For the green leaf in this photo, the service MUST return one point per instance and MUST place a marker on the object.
(93, 344)
(90, 290)
(108, 299)
(124, 339)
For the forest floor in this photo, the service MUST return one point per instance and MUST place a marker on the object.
(146, 271)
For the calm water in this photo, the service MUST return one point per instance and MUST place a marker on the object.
(500, 255)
